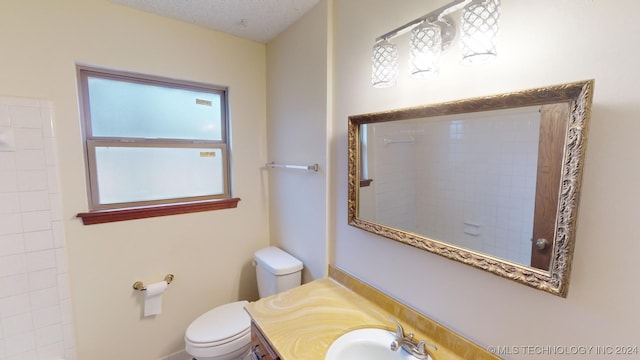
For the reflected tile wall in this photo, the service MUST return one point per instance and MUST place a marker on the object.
(479, 190)
(471, 182)
(35, 302)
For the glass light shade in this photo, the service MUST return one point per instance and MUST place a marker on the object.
(426, 47)
(384, 64)
(479, 39)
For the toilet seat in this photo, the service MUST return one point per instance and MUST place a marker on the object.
(222, 330)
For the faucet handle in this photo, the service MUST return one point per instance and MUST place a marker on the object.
(422, 347)
(399, 330)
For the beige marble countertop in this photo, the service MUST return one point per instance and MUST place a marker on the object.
(301, 323)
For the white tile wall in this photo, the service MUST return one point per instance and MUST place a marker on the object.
(35, 304)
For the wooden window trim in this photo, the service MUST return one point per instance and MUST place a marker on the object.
(122, 214)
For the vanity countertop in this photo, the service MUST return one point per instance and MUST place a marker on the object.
(301, 323)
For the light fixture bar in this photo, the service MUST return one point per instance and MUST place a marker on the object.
(432, 34)
(431, 17)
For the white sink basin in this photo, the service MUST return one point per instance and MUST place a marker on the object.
(366, 344)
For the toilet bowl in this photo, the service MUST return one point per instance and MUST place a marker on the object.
(224, 333)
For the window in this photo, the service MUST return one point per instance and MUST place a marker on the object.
(153, 144)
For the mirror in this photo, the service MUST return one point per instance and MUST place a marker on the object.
(492, 182)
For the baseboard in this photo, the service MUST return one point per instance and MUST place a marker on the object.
(180, 355)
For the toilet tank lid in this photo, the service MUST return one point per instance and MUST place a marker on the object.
(277, 261)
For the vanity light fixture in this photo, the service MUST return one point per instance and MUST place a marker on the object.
(385, 64)
(425, 49)
(433, 33)
(480, 32)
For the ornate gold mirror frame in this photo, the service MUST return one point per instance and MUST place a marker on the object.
(578, 96)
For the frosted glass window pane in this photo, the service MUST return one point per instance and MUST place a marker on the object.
(131, 174)
(127, 109)
(153, 140)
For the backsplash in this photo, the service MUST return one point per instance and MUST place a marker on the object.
(36, 321)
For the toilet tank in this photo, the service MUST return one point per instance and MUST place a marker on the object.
(276, 271)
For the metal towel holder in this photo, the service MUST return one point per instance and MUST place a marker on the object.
(313, 167)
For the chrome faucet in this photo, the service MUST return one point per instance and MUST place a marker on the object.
(401, 341)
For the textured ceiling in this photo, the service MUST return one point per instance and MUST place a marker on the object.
(258, 20)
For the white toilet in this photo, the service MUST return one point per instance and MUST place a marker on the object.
(224, 333)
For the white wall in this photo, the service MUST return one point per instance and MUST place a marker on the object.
(297, 68)
(394, 182)
(542, 43)
(210, 252)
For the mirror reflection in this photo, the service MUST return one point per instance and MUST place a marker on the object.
(492, 182)
(469, 180)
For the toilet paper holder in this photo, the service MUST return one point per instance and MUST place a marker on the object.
(139, 285)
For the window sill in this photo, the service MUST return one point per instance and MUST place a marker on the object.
(113, 215)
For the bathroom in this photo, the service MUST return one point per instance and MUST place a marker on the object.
(278, 117)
